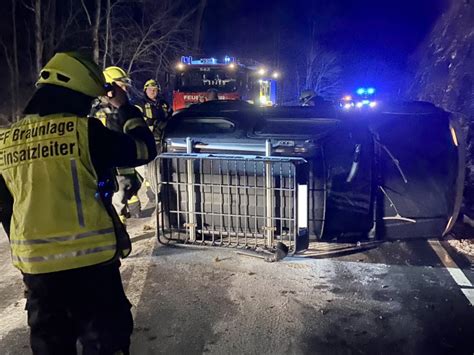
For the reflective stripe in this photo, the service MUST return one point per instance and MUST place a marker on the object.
(134, 199)
(125, 171)
(46, 235)
(39, 259)
(62, 238)
(77, 193)
(142, 150)
(148, 111)
(133, 123)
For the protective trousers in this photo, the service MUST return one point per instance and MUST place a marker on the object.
(128, 186)
(86, 304)
(143, 171)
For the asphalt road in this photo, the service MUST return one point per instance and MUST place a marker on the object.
(395, 298)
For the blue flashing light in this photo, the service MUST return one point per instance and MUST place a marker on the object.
(212, 61)
(360, 91)
(186, 59)
(370, 91)
(204, 61)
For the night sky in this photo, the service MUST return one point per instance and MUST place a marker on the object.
(374, 39)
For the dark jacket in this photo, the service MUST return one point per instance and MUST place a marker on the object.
(113, 119)
(111, 148)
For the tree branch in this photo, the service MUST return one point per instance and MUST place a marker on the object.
(87, 12)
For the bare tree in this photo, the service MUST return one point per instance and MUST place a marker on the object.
(151, 43)
(11, 57)
(49, 34)
(70, 28)
(321, 71)
(8, 59)
(38, 37)
(16, 74)
(35, 6)
(144, 37)
(108, 36)
(95, 32)
(55, 23)
(311, 56)
(198, 25)
(94, 24)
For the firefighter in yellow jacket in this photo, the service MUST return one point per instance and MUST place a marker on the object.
(56, 183)
(125, 200)
(155, 108)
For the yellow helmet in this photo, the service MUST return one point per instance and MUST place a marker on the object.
(151, 84)
(114, 74)
(73, 71)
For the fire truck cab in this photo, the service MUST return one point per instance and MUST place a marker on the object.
(233, 79)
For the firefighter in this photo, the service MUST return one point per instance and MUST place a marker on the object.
(125, 200)
(64, 234)
(155, 108)
(156, 112)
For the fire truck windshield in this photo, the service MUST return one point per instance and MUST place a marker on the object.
(205, 78)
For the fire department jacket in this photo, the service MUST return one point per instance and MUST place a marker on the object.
(155, 113)
(51, 168)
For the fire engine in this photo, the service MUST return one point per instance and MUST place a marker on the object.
(232, 79)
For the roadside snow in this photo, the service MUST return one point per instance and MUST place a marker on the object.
(464, 246)
(461, 238)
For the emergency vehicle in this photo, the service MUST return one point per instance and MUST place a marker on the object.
(364, 99)
(232, 79)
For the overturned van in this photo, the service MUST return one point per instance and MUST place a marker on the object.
(234, 174)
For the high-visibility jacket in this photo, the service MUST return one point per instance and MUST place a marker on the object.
(155, 113)
(58, 222)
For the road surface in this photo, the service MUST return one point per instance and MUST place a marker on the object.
(396, 298)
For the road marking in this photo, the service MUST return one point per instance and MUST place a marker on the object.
(454, 270)
(469, 293)
(459, 277)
